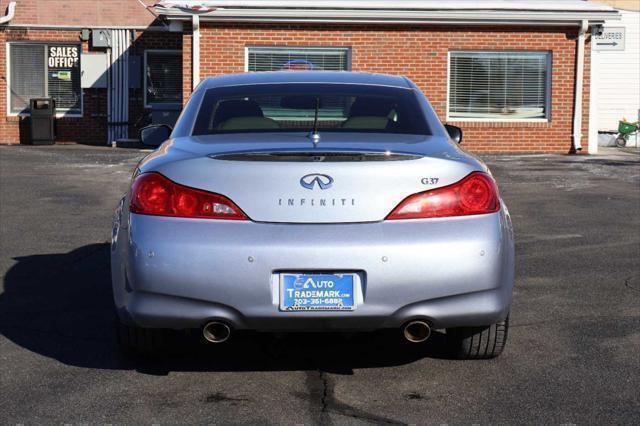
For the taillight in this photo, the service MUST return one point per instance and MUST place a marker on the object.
(477, 193)
(154, 194)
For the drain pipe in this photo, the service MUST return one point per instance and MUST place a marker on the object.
(11, 11)
(195, 52)
(592, 143)
(577, 108)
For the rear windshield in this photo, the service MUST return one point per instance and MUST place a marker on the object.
(293, 108)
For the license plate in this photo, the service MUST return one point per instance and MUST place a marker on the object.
(316, 292)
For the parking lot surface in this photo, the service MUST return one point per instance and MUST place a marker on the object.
(572, 356)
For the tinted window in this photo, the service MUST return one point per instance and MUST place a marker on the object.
(293, 108)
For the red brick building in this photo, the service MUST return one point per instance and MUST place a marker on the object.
(514, 75)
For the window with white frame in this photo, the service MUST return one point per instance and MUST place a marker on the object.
(163, 78)
(44, 70)
(296, 58)
(499, 85)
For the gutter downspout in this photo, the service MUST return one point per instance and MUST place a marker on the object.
(195, 52)
(577, 107)
(11, 11)
(593, 101)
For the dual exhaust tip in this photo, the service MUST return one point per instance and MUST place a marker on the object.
(216, 332)
(416, 331)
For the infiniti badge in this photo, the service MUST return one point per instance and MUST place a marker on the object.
(322, 181)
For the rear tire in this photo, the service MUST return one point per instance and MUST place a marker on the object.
(478, 342)
(140, 341)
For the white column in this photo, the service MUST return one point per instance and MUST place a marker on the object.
(577, 107)
(593, 100)
(195, 52)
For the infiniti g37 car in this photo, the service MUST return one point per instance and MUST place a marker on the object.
(312, 201)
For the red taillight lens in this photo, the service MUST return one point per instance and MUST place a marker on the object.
(154, 194)
(475, 194)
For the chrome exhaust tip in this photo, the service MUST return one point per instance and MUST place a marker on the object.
(416, 331)
(216, 332)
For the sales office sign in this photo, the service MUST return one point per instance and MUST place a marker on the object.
(62, 60)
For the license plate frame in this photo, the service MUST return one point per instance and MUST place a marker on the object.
(317, 291)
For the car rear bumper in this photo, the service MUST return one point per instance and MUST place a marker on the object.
(180, 273)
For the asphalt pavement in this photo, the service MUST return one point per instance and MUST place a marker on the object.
(572, 355)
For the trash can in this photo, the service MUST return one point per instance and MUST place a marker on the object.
(43, 115)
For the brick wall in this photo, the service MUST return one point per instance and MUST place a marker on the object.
(5, 135)
(87, 13)
(417, 52)
(91, 128)
(420, 53)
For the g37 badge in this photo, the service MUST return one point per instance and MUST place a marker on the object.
(430, 180)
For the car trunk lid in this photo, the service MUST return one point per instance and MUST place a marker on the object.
(332, 183)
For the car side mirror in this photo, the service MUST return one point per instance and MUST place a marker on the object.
(455, 132)
(155, 134)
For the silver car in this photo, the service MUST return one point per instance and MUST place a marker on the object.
(312, 201)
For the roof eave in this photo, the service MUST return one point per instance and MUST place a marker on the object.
(488, 17)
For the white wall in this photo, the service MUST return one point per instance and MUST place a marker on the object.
(618, 74)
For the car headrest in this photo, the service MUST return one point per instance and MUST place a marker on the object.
(237, 108)
(371, 107)
(248, 123)
(366, 123)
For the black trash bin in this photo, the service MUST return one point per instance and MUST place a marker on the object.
(43, 116)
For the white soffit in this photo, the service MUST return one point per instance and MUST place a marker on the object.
(385, 11)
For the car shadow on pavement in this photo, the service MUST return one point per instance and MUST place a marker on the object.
(61, 306)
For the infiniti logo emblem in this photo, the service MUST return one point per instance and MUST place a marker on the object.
(321, 181)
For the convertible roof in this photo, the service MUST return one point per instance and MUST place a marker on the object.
(387, 11)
